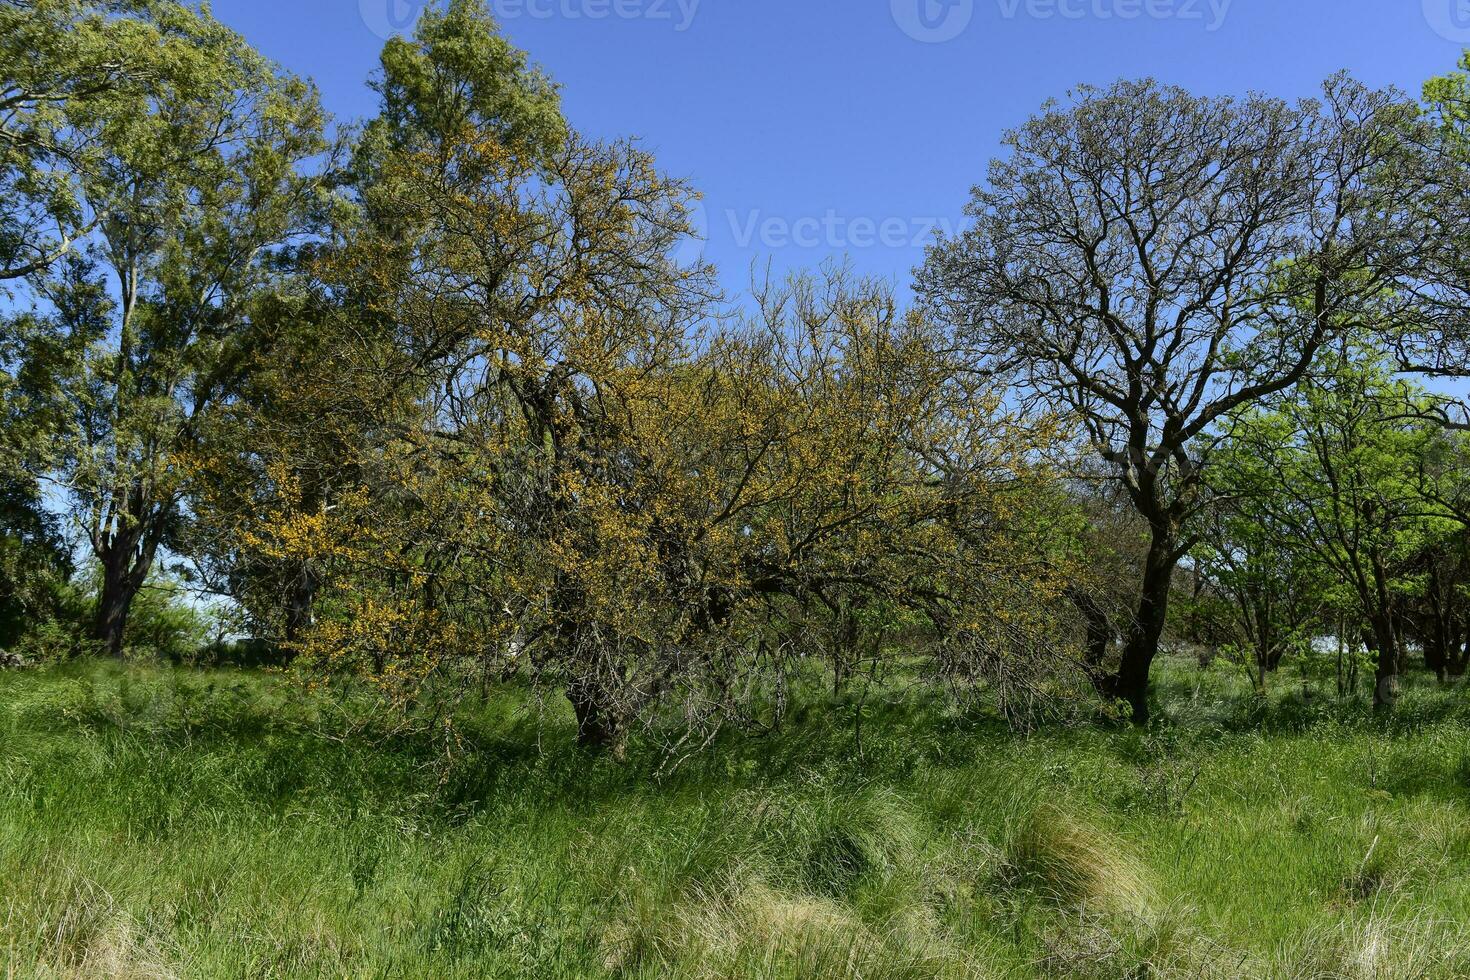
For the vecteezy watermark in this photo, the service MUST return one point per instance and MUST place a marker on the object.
(835, 231)
(933, 21)
(832, 230)
(386, 18)
(1210, 13)
(1449, 18)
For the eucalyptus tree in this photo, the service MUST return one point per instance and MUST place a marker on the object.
(196, 177)
(1151, 262)
(66, 67)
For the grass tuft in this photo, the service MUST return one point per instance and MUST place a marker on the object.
(1073, 863)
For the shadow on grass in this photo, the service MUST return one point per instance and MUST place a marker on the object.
(284, 744)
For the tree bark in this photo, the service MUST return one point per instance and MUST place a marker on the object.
(121, 583)
(1457, 657)
(1384, 622)
(1147, 630)
(1386, 676)
(300, 605)
(600, 726)
(1436, 648)
(1099, 630)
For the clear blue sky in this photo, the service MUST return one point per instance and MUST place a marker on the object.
(821, 128)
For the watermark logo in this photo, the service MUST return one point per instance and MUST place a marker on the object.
(1210, 13)
(755, 229)
(386, 18)
(933, 21)
(1449, 18)
(690, 250)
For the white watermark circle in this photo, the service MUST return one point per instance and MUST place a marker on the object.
(1449, 18)
(388, 18)
(933, 21)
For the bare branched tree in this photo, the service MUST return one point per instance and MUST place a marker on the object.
(1152, 262)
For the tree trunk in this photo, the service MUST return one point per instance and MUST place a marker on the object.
(1099, 629)
(1142, 646)
(1457, 657)
(1384, 622)
(1436, 648)
(600, 726)
(120, 585)
(1400, 644)
(300, 605)
(1386, 679)
(1341, 659)
(1436, 635)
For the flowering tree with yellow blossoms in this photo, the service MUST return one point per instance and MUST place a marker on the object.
(562, 464)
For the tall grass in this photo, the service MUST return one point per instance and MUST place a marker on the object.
(172, 823)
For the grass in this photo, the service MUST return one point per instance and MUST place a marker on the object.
(177, 823)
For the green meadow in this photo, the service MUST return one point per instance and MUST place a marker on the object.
(160, 822)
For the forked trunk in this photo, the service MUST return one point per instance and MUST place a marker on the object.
(120, 585)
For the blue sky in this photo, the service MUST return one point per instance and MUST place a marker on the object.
(856, 127)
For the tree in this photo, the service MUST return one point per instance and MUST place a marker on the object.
(285, 438)
(1441, 617)
(68, 66)
(35, 559)
(813, 482)
(508, 282)
(1276, 595)
(336, 378)
(1152, 262)
(1438, 615)
(1437, 343)
(533, 447)
(34, 562)
(1334, 470)
(195, 182)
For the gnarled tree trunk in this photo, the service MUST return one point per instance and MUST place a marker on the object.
(601, 725)
(1143, 636)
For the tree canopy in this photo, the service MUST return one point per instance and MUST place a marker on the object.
(430, 404)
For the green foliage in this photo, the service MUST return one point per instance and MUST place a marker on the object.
(450, 425)
(34, 564)
(186, 172)
(455, 77)
(167, 622)
(1327, 506)
(441, 407)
